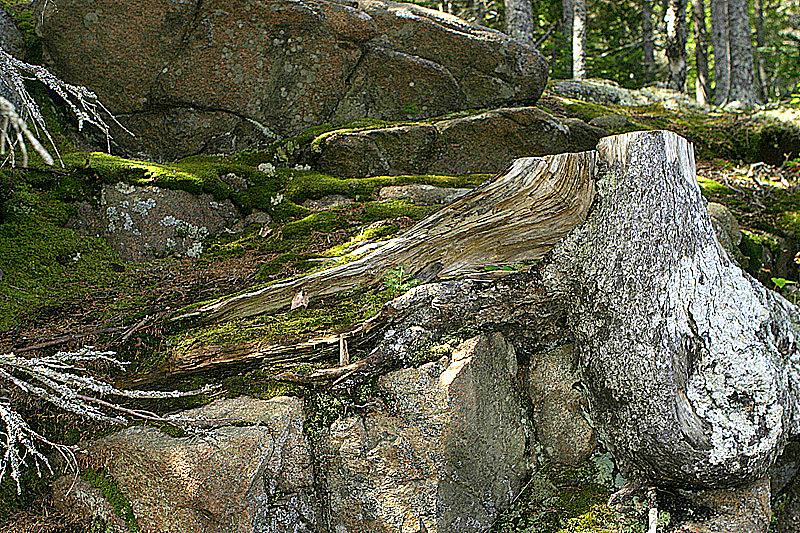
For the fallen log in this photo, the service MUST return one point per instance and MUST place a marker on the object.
(515, 218)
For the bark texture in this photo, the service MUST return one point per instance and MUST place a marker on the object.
(742, 78)
(648, 48)
(517, 217)
(703, 86)
(721, 46)
(692, 365)
(578, 39)
(519, 20)
(676, 44)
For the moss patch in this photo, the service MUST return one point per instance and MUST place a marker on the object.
(729, 136)
(107, 485)
(563, 498)
(44, 264)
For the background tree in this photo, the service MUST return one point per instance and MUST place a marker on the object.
(676, 44)
(578, 39)
(703, 84)
(741, 88)
(720, 42)
(648, 57)
(519, 20)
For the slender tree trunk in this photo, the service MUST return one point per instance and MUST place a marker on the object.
(676, 44)
(519, 20)
(721, 44)
(648, 55)
(566, 22)
(742, 81)
(703, 87)
(579, 39)
(761, 68)
(480, 12)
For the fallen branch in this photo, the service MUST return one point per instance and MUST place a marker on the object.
(515, 218)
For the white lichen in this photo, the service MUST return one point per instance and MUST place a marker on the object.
(63, 381)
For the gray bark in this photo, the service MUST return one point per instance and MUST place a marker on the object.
(648, 50)
(703, 87)
(761, 69)
(692, 365)
(578, 39)
(721, 45)
(742, 89)
(519, 20)
(676, 44)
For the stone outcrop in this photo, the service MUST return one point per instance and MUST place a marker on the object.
(10, 37)
(251, 478)
(446, 453)
(190, 76)
(143, 223)
(558, 407)
(484, 143)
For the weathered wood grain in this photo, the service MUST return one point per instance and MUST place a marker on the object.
(516, 217)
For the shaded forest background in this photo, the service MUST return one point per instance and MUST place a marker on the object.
(620, 35)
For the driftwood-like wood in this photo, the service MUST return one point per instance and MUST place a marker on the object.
(221, 357)
(516, 217)
(692, 365)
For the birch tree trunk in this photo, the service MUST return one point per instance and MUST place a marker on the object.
(703, 87)
(676, 44)
(721, 45)
(742, 79)
(692, 365)
(648, 55)
(579, 39)
(519, 20)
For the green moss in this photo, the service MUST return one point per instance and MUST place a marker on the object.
(566, 499)
(197, 174)
(107, 485)
(11, 502)
(44, 264)
(712, 188)
(24, 15)
(326, 316)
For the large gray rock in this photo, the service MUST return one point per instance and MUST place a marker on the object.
(445, 454)
(11, 40)
(484, 143)
(236, 479)
(191, 76)
(558, 407)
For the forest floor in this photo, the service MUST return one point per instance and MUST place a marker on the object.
(50, 301)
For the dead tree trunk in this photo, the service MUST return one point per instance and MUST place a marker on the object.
(515, 218)
(693, 366)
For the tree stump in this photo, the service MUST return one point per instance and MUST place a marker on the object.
(692, 365)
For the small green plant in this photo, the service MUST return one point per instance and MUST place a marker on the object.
(114, 495)
(399, 281)
(781, 282)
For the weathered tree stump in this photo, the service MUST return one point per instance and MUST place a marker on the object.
(516, 217)
(692, 366)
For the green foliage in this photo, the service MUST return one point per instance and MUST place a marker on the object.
(10, 501)
(399, 281)
(566, 499)
(39, 257)
(107, 485)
